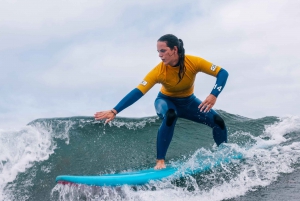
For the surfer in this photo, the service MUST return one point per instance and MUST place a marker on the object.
(176, 99)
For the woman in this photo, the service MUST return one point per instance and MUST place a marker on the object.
(177, 73)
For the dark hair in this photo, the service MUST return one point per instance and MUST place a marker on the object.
(173, 41)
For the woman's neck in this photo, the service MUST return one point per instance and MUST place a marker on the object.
(175, 62)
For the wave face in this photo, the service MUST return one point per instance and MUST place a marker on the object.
(32, 157)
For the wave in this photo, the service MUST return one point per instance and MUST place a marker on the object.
(33, 156)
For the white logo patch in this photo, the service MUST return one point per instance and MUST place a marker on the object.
(144, 83)
(213, 67)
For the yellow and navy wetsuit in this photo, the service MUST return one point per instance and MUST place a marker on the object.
(178, 100)
(168, 76)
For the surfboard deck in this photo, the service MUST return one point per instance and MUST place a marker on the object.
(145, 176)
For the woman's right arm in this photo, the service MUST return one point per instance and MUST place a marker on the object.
(149, 81)
(128, 100)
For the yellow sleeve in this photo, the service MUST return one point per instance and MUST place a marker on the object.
(149, 81)
(207, 67)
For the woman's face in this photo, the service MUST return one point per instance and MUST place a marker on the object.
(168, 56)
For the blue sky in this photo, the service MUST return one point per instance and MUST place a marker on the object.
(73, 58)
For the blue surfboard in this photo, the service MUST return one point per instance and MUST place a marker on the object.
(145, 176)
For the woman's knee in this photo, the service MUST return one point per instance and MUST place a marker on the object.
(219, 121)
(171, 116)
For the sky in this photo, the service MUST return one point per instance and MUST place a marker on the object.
(64, 58)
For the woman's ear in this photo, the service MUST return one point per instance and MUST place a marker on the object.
(176, 49)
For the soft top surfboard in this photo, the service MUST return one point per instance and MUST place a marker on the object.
(145, 176)
(131, 178)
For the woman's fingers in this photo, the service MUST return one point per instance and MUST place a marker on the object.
(205, 107)
(208, 103)
(108, 115)
(99, 115)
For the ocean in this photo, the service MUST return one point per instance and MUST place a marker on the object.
(32, 156)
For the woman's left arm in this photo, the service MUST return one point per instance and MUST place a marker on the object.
(210, 101)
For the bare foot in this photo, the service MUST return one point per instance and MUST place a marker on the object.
(160, 164)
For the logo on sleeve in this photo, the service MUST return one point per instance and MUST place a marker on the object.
(213, 67)
(144, 83)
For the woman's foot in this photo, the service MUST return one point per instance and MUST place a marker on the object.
(160, 164)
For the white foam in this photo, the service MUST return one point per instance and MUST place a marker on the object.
(59, 128)
(285, 125)
(138, 124)
(19, 149)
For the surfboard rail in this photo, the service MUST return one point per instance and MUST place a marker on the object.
(130, 178)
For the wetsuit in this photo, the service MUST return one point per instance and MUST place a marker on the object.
(177, 99)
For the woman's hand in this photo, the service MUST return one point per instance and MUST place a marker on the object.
(109, 115)
(208, 103)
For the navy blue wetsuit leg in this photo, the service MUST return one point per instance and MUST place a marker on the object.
(164, 108)
(169, 109)
(211, 119)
